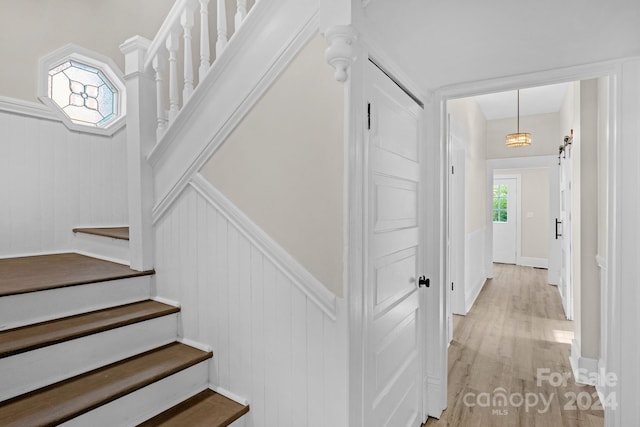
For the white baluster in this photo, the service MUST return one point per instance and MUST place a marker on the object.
(241, 13)
(204, 39)
(172, 47)
(186, 20)
(158, 67)
(222, 27)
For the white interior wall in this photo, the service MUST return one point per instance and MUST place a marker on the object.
(467, 114)
(55, 180)
(589, 277)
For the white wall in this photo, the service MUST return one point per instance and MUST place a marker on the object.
(283, 165)
(272, 344)
(54, 180)
(589, 277)
(467, 114)
(544, 129)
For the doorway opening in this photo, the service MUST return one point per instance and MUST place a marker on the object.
(539, 196)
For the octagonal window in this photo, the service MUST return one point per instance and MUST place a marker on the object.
(85, 89)
(83, 93)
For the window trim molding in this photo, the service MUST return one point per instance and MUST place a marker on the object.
(105, 64)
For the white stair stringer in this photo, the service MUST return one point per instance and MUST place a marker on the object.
(102, 247)
(142, 404)
(37, 368)
(34, 307)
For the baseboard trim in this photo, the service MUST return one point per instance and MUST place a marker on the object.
(195, 344)
(585, 369)
(533, 262)
(229, 395)
(473, 295)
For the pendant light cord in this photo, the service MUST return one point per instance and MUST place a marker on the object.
(518, 121)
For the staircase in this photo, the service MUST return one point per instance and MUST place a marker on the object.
(83, 343)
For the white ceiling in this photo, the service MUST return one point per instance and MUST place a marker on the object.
(535, 100)
(438, 43)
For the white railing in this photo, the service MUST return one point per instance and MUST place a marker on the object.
(173, 48)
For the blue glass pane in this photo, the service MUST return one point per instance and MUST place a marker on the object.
(84, 67)
(106, 101)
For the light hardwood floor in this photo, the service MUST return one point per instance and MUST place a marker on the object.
(516, 327)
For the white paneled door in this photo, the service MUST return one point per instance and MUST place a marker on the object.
(393, 395)
(505, 220)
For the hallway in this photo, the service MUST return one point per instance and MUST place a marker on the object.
(509, 356)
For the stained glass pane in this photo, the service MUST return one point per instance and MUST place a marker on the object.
(83, 93)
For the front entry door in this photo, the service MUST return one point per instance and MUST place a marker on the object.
(393, 371)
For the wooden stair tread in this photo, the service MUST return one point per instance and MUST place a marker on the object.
(31, 337)
(36, 273)
(121, 233)
(63, 401)
(205, 409)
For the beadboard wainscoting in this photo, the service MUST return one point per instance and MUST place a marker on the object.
(277, 342)
(54, 180)
(475, 274)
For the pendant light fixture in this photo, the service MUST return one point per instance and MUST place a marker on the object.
(518, 139)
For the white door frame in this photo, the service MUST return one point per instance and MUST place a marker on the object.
(624, 208)
(518, 178)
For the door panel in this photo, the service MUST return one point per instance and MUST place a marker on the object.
(392, 346)
(505, 221)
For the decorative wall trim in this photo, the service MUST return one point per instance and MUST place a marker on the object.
(190, 142)
(27, 108)
(473, 293)
(304, 280)
(533, 262)
(584, 369)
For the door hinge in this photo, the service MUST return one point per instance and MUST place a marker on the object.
(369, 116)
(423, 281)
(452, 286)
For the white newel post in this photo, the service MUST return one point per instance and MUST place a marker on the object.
(141, 121)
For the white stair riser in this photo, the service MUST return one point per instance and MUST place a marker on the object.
(133, 408)
(116, 250)
(31, 370)
(34, 307)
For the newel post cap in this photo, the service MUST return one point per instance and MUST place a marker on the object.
(134, 50)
